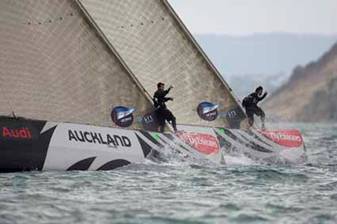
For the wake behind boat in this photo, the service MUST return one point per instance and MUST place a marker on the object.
(90, 66)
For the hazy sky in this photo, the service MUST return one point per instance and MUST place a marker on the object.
(242, 17)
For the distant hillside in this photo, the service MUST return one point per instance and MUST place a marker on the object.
(243, 85)
(268, 54)
(310, 94)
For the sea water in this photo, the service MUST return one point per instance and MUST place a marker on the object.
(182, 191)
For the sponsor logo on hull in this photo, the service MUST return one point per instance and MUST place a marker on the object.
(17, 133)
(150, 121)
(122, 116)
(204, 143)
(98, 138)
(287, 138)
(234, 117)
(92, 148)
(207, 111)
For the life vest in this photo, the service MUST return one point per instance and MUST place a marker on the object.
(247, 101)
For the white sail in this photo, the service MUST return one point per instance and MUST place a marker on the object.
(74, 60)
(54, 65)
(156, 46)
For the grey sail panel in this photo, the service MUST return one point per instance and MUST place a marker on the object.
(156, 47)
(55, 66)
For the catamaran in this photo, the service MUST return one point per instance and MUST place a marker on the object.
(75, 83)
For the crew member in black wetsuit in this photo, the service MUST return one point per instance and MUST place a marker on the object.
(159, 100)
(250, 104)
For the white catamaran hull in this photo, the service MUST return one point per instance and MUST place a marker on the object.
(27, 145)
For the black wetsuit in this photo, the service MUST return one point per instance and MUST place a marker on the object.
(159, 100)
(250, 104)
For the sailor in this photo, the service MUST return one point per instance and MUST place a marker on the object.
(250, 104)
(163, 114)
